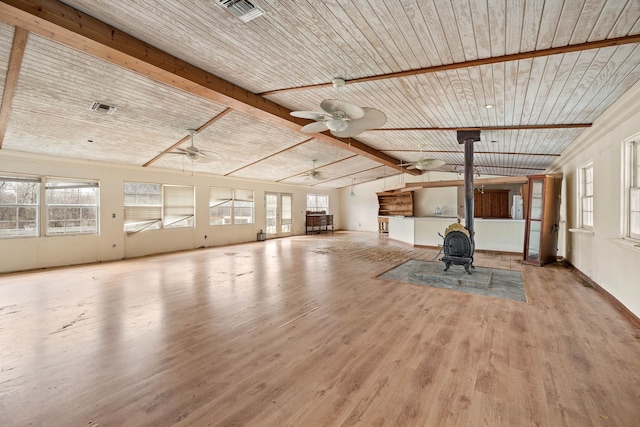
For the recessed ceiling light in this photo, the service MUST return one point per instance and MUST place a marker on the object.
(488, 106)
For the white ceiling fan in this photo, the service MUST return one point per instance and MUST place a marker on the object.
(424, 164)
(195, 154)
(315, 175)
(341, 118)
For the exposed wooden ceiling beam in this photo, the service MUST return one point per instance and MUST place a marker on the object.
(66, 25)
(323, 166)
(505, 153)
(412, 186)
(348, 175)
(20, 37)
(188, 137)
(515, 127)
(270, 155)
(598, 44)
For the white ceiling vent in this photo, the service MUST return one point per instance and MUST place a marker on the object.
(102, 108)
(243, 9)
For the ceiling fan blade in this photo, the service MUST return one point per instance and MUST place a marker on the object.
(372, 119)
(211, 154)
(203, 159)
(337, 106)
(311, 115)
(412, 167)
(429, 164)
(314, 127)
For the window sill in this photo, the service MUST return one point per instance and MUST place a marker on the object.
(582, 231)
(628, 243)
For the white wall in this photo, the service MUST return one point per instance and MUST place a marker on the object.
(603, 255)
(427, 200)
(360, 213)
(505, 235)
(112, 243)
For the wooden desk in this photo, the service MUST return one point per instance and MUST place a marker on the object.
(318, 223)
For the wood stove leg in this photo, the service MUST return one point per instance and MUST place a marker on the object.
(466, 268)
(447, 264)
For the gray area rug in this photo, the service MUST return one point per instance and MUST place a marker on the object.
(492, 282)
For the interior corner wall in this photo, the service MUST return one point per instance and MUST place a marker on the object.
(112, 243)
(600, 255)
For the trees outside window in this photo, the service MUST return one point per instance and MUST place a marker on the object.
(318, 203)
(19, 206)
(71, 206)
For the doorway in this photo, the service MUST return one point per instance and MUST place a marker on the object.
(279, 214)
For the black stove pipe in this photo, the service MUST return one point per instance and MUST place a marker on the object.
(468, 185)
(468, 138)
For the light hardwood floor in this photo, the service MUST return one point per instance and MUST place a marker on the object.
(299, 332)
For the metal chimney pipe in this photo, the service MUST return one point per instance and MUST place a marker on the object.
(468, 185)
(468, 138)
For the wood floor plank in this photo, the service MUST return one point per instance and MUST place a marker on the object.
(300, 331)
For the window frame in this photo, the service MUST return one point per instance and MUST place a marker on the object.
(231, 202)
(132, 210)
(18, 206)
(243, 200)
(586, 184)
(631, 169)
(186, 213)
(52, 185)
(185, 219)
(315, 207)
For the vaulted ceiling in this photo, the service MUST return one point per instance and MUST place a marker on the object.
(548, 68)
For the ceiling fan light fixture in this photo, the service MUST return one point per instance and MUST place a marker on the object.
(337, 125)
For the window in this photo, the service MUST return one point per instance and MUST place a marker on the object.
(150, 206)
(19, 206)
(242, 206)
(178, 206)
(230, 206)
(632, 189)
(220, 205)
(72, 206)
(317, 203)
(142, 206)
(586, 196)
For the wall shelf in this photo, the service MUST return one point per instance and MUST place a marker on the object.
(395, 203)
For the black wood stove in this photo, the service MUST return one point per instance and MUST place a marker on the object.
(458, 246)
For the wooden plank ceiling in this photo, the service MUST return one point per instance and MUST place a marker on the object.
(548, 68)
